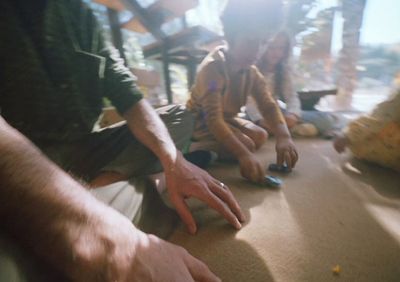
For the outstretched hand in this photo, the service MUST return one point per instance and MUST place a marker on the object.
(185, 180)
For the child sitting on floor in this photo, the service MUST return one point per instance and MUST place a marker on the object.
(225, 79)
(275, 65)
(375, 137)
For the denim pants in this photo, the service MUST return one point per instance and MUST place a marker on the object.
(323, 121)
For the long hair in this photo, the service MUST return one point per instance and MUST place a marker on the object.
(281, 66)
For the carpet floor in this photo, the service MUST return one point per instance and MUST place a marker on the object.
(332, 210)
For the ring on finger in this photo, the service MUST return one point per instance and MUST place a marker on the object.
(222, 185)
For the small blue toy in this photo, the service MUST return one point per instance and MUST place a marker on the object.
(272, 181)
(279, 168)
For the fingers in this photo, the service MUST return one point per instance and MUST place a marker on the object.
(199, 271)
(227, 197)
(291, 157)
(257, 173)
(288, 159)
(252, 171)
(288, 156)
(279, 158)
(249, 173)
(260, 173)
(215, 203)
(184, 213)
(295, 157)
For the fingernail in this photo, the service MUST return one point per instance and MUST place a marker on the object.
(238, 225)
(192, 229)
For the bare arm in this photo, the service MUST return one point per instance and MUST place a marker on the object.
(285, 148)
(49, 212)
(183, 179)
(148, 128)
(211, 85)
(31, 184)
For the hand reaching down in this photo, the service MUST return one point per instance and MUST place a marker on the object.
(185, 180)
(286, 152)
(112, 249)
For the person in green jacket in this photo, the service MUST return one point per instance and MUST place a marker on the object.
(55, 72)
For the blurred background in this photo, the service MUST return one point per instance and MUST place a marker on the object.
(349, 45)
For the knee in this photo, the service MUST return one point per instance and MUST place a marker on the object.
(260, 137)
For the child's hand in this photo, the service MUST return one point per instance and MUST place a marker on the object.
(251, 168)
(286, 152)
(340, 143)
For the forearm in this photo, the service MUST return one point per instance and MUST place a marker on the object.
(148, 128)
(267, 105)
(235, 146)
(281, 131)
(42, 206)
(225, 136)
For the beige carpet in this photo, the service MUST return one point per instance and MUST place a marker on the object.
(331, 210)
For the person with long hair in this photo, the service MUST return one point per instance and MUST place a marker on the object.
(275, 65)
(56, 68)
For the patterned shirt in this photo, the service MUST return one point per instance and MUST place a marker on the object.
(56, 70)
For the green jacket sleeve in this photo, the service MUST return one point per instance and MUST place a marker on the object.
(119, 84)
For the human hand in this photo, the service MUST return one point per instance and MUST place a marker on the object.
(67, 227)
(251, 168)
(291, 120)
(110, 248)
(286, 152)
(185, 180)
(340, 143)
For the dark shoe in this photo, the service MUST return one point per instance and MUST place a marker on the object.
(201, 158)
